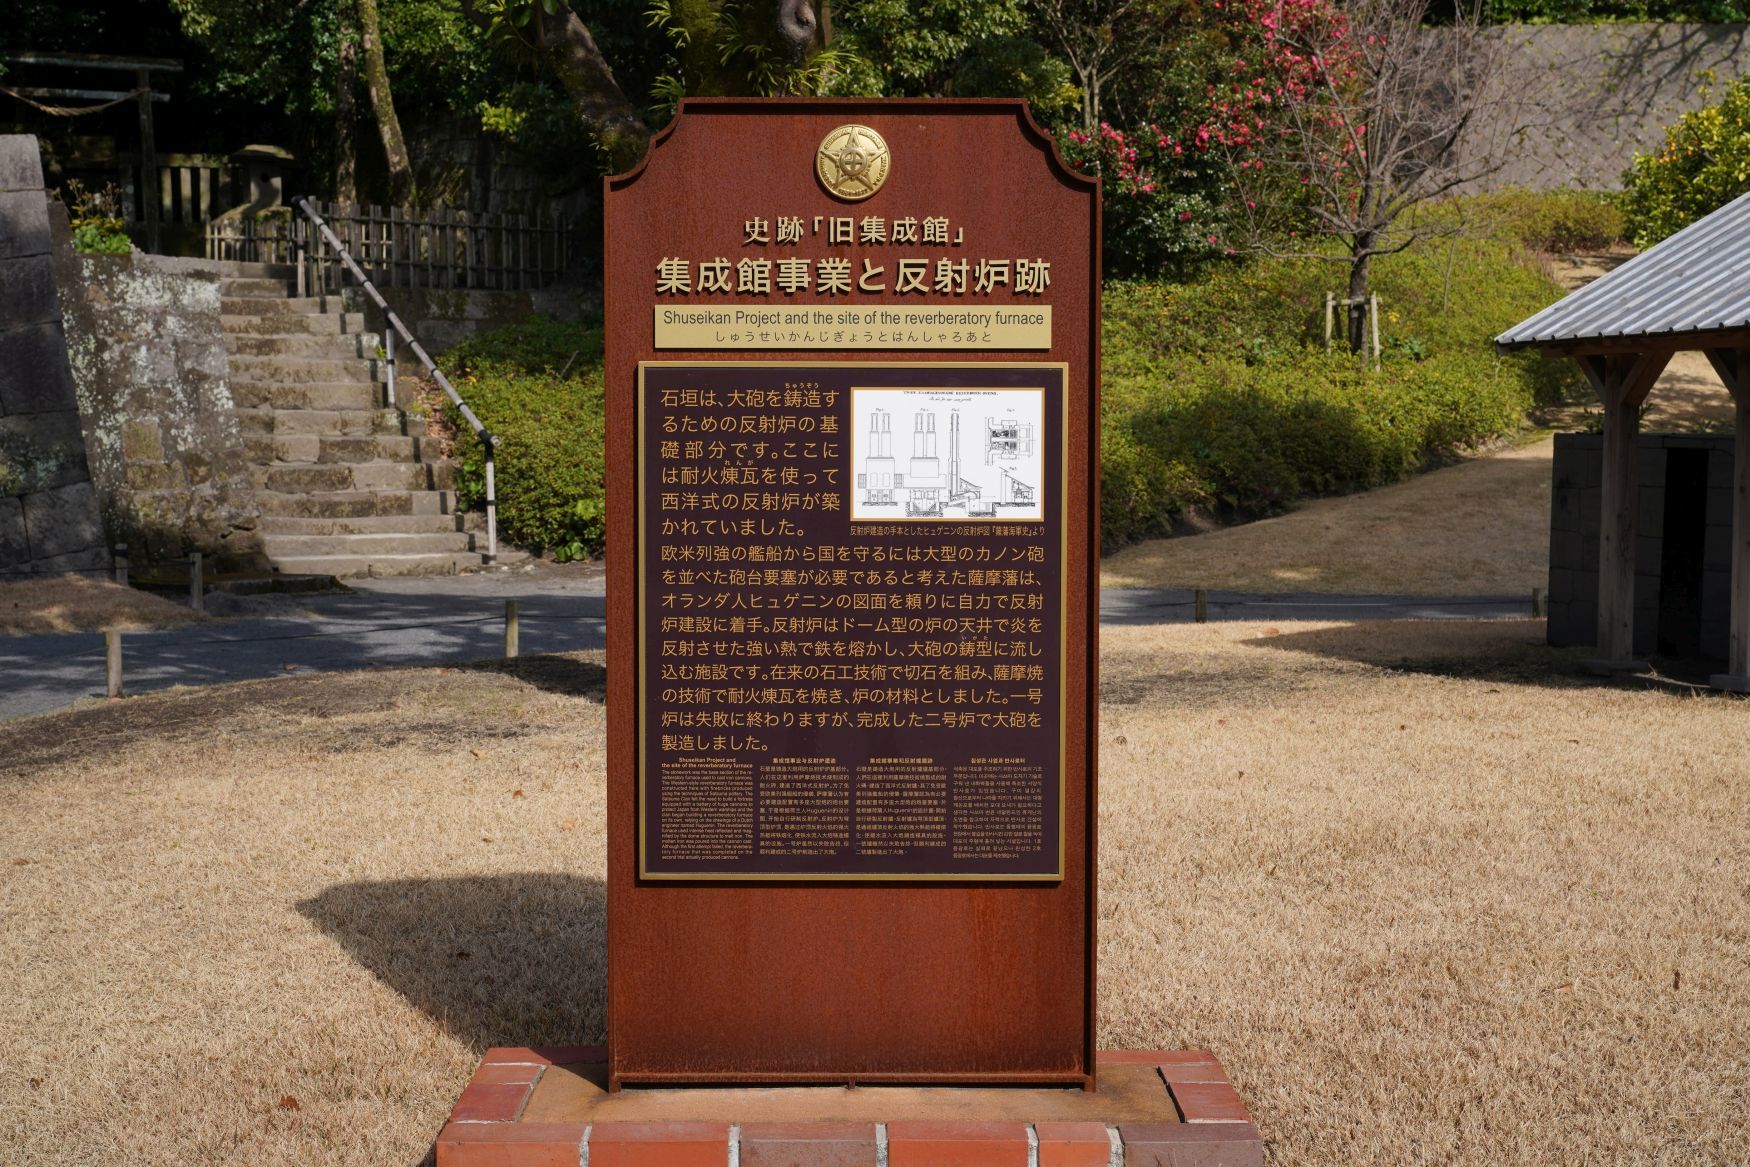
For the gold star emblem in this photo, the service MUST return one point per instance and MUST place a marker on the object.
(852, 162)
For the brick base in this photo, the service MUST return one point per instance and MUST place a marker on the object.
(549, 1108)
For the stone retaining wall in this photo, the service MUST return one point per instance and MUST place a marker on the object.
(153, 379)
(49, 518)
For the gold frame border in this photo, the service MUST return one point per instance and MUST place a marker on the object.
(644, 873)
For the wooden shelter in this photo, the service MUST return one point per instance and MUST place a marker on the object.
(1689, 292)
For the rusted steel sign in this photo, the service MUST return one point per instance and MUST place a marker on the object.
(852, 525)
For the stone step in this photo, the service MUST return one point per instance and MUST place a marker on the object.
(349, 566)
(314, 478)
(272, 525)
(352, 423)
(356, 504)
(252, 287)
(307, 395)
(280, 547)
(342, 346)
(314, 449)
(292, 323)
(300, 369)
(272, 305)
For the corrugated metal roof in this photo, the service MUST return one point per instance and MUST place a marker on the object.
(1698, 280)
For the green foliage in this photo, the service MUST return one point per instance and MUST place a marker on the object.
(95, 215)
(1550, 220)
(538, 387)
(730, 48)
(1218, 394)
(1703, 164)
(1013, 66)
(918, 47)
(1606, 11)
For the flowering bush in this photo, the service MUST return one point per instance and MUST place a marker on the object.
(1159, 216)
(1703, 164)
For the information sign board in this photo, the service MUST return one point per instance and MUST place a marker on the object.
(851, 367)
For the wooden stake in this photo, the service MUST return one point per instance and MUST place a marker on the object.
(1330, 317)
(197, 598)
(1537, 602)
(112, 644)
(1373, 315)
(121, 564)
(510, 629)
(1200, 603)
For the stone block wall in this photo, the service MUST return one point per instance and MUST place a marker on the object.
(152, 374)
(1574, 103)
(1575, 503)
(49, 517)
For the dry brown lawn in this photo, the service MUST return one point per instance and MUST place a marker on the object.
(74, 603)
(1433, 899)
(1480, 527)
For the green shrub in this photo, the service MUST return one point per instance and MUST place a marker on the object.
(1219, 394)
(1552, 220)
(538, 387)
(95, 217)
(1703, 164)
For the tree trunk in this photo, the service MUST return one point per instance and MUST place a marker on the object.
(583, 71)
(383, 106)
(346, 81)
(1358, 287)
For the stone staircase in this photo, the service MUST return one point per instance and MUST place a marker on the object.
(347, 485)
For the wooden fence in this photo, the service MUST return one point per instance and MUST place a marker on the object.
(402, 248)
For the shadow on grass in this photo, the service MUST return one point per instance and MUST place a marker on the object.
(495, 959)
(1508, 652)
(553, 673)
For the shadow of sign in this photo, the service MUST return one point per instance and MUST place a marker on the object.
(515, 959)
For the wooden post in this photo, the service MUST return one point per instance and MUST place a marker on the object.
(148, 159)
(121, 564)
(1200, 602)
(1330, 317)
(1616, 536)
(1537, 603)
(1373, 316)
(112, 645)
(197, 596)
(511, 631)
(1622, 383)
(1733, 367)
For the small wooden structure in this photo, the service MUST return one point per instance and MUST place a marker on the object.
(142, 69)
(1689, 292)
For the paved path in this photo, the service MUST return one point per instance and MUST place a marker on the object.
(428, 621)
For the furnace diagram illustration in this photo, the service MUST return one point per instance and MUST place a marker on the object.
(916, 454)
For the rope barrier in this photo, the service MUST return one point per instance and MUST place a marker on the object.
(71, 111)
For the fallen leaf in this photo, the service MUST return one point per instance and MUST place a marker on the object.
(486, 838)
(568, 825)
(517, 793)
(463, 954)
(1221, 721)
(474, 751)
(20, 862)
(1123, 741)
(35, 1083)
(1272, 632)
(289, 1103)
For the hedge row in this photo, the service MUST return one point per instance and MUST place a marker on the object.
(1217, 394)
